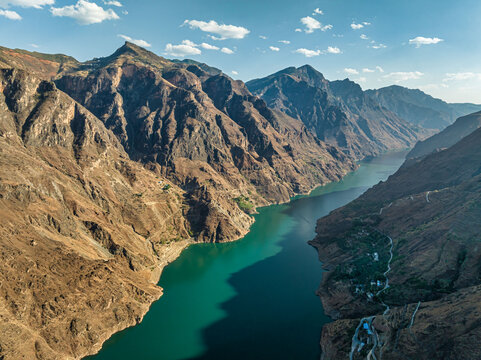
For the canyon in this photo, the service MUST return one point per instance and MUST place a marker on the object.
(113, 166)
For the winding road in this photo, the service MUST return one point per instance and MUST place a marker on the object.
(357, 344)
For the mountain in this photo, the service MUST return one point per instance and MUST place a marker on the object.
(338, 112)
(420, 108)
(419, 230)
(85, 231)
(205, 132)
(208, 69)
(448, 137)
(110, 170)
(44, 66)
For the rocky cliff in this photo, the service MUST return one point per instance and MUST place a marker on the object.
(410, 246)
(338, 112)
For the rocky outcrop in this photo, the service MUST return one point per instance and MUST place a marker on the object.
(338, 112)
(431, 212)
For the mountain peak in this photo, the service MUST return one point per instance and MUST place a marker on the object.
(131, 48)
(137, 53)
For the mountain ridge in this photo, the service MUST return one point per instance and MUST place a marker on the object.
(420, 108)
(354, 122)
(430, 211)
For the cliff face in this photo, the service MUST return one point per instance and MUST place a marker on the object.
(95, 202)
(338, 112)
(205, 132)
(431, 212)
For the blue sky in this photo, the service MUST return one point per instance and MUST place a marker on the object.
(429, 44)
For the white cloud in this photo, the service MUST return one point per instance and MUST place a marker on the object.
(227, 51)
(380, 69)
(222, 30)
(403, 76)
(186, 48)
(125, 12)
(34, 46)
(12, 15)
(378, 46)
(317, 11)
(85, 12)
(234, 72)
(311, 53)
(356, 26)
(351, 71)
(138, 42)
(263, 37)
(209, 46)
(298, 30)
(287, 42)
(462, 76)
(361, 79)
(113, 3)
(364, 37)
(366, 23)
(308, 53)
(26, 3)
(273, 48)
(333, 50)
(311, 24)
(367, 70)
(420, 40)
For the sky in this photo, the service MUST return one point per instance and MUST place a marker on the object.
(434, 45)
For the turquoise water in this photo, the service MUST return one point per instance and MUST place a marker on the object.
(253, 298)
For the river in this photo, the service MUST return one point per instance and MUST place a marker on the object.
(249, 299)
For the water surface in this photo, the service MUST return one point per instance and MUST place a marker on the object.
(253, 298)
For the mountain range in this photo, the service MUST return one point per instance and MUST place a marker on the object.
(338, 112)
(111, 167)
(420, 108)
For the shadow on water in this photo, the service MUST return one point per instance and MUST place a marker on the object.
(275, 313)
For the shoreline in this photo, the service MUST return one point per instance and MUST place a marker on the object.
(156, 274)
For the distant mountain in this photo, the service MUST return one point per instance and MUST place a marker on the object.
(463, 109)
(420, 230)
(208, 69)
(420, 108)
(448, 137)
(338, 112)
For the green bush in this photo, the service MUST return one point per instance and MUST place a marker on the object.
(244, 203)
